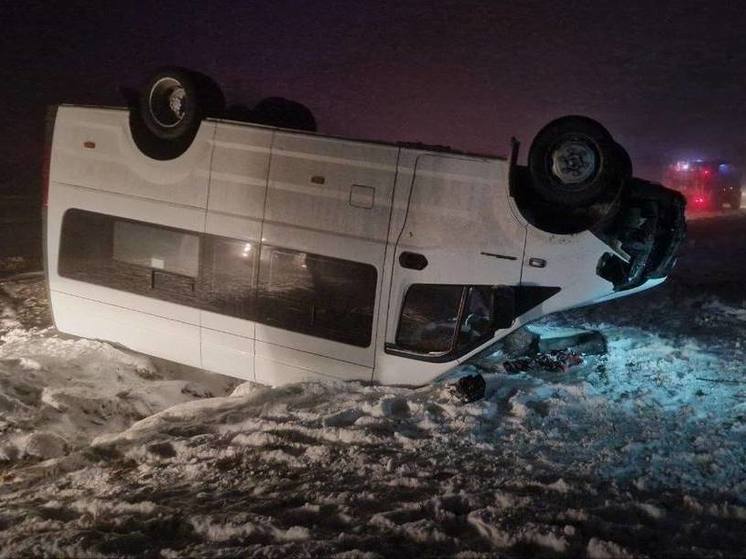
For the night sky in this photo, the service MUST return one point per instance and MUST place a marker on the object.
(667, 78)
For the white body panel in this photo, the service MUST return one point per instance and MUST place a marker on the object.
(115, 164)
(235, 208)
(158, 336)
(114, 178)
(361, 202)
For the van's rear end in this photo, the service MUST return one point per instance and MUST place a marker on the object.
(97, 174)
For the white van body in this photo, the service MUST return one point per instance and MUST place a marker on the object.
(296, 196)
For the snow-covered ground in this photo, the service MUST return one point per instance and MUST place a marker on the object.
(641, 452)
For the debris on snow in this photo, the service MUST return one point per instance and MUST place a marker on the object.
(469, 388)
(579, 340)
(555, 361)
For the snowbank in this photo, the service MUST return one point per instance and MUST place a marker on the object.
(592, 462)
(57, 393)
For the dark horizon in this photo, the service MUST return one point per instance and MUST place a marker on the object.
(470, 75)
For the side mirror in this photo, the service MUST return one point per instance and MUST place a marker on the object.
(503, 309)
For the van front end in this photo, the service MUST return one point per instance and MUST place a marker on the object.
(464, 301)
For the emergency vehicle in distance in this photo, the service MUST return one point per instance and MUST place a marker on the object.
(707, 185)
(279, 254)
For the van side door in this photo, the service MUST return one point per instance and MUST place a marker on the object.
(457, 245)
(323, 244)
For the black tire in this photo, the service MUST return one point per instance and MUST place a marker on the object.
(574, 162)
(170, 109)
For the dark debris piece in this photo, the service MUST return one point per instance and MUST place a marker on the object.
(558, 361)
(470, 388)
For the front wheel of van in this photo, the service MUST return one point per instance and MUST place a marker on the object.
(170, 109)
(574, 162)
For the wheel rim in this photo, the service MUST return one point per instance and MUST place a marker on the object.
(167, 102)
(573, 162)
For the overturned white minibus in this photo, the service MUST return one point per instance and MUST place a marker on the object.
(277, 255)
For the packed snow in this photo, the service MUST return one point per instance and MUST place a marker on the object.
(639, 452)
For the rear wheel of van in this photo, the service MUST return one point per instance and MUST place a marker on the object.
(170, 109)
(574, 162)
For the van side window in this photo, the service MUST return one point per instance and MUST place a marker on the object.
(130, 256)
(151, 246)
(439, 321)
(228, 269)
(312, 294)
(317, 295)
(429, 318)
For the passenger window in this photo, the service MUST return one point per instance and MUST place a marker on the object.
(136, 257)
(429, 318)
(85, 247)
(155, 247)
(228, 276)
(317, 295)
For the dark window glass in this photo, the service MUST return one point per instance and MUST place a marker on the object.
(317, 295)
(228, 276)
(154, 247)
(442, 319)
(429, 318)
(131, 256)
(312, 294)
